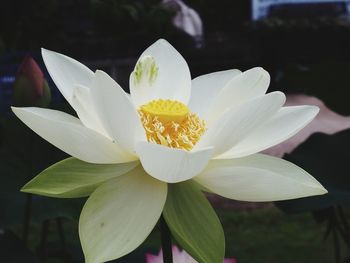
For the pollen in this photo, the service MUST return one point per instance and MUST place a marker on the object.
(170, 123)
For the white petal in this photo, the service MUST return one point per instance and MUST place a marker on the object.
(116, 112)
(206, 87)
(258, 178)
(119, 215)
(238, 122)
(68, 134)
(283, 125)
(84, 107)
(66, 72)
(171, 81)
(172, 165)
(250, 84)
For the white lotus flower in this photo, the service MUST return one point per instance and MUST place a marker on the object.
(206, 130)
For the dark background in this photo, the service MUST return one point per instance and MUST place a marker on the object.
(305, 48)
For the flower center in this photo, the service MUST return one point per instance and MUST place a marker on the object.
(170, 123)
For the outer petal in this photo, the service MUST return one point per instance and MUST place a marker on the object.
(116, 112)
(172, 165)
(250, 84)
(68, 134)
(283, 125)
(83, 104)
(66, 72)
(119, 215)
(258, 178)
(206, 87)
(236, 123)
(72, 178)
(166, 76)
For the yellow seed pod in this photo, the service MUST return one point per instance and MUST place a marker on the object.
(166, 110)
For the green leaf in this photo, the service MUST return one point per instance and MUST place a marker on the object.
(194, 223)
(73, 178)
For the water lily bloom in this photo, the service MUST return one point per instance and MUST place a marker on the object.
(151, 152)
(178, 257)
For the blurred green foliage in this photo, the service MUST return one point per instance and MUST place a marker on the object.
(327, 80)
(29, 24)
(125, 18)
(79, 25)
(223, 15)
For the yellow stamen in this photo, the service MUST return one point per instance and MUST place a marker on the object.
(170, 123)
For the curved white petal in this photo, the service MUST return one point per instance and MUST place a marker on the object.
(258, 178)
(116, 112)
(119, 215)
(66, 72)
(68, 134)
(283, 125)
(84, 107)
(206, 87)
(160, 73)
(250, 84)
(238, 122)
(172, 165)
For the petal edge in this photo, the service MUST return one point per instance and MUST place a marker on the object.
(172, 165)
(68, 134)
(119, 215)
(259, 178)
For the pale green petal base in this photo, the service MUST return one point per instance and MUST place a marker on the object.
(73, 178)
(119, 215)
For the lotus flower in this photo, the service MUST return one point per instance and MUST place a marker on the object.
(178, 257)
(30, 87)
(156, 149)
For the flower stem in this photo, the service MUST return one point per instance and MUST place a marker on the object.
(166, 241)
(27, 217)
